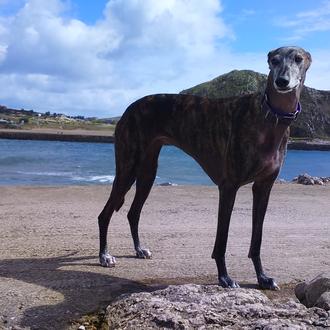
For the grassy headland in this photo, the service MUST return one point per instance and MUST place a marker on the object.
(31, 125)
(313, 121)
(29, 119)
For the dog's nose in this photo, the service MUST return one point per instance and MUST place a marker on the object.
(282, 82)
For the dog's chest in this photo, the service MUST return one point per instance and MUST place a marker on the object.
(270, 154)
(260, 157)
(270, 163)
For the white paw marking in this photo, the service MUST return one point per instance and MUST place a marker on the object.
(144, 254)
(107, 260)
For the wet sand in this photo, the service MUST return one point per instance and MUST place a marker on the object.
(49, 245)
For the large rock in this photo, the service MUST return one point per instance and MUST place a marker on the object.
(307, 179)
(208, 307)
(315, 292)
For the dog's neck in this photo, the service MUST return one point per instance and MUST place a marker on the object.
(283, 102)
(279, 104)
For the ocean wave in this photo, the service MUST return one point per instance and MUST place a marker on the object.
(166, 184)
(95, 178)
(59, 174)
(71, 176)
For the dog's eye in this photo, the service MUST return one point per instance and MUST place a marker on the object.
(298, 59)
(275, 61)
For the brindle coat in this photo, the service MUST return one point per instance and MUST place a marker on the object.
(235, 140)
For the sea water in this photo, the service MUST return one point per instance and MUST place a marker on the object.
(25, 162)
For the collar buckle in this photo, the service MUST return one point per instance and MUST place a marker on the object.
(279, 116)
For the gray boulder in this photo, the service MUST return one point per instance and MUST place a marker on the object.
(315, 292)
(210, 307)
(307, 179)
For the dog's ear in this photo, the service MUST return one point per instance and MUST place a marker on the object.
(309, 59)
(269, 56)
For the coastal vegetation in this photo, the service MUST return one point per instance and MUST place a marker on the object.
(30, 119)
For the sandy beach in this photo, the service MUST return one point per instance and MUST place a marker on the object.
(49, 269)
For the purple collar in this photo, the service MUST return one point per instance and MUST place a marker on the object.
(279, 116)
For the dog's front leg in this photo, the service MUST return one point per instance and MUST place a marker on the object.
(261, 192)
(226, 204)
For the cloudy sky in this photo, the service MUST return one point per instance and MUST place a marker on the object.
(95, 57)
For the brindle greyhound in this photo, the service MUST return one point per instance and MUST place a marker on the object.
(235, 140)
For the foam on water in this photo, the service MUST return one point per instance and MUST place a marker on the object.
(96, 178)
(63, 174)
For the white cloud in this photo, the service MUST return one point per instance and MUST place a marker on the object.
(319, 72)
(52, 62)
(49, 60)
(305, 22)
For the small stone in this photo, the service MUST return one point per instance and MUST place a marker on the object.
(324, 301)
(315, 292)
(300, 290)
(305, 179)
(82, 327)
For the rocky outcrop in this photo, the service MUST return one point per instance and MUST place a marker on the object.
(307, 179)
(210, 307)
(313, 121)
(315, 292)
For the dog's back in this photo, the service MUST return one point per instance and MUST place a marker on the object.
(200, 126)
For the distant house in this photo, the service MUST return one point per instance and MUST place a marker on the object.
(4, 121)
(7, 123)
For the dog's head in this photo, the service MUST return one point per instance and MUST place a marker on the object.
(288, 66)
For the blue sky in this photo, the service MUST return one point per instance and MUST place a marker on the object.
(95, 57)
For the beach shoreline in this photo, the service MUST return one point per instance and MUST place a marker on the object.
(47, 134)
(49, 245)
(100, 136)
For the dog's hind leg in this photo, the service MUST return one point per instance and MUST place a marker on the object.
(119, 189)
(226, 204)
(145, 179)
(261, 192)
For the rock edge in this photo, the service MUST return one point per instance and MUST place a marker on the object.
(194, 306)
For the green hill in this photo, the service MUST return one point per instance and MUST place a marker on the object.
(314, 120)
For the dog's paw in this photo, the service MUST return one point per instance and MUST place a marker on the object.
(143, 253)
(267, 283)
(107, 260)
(227, 282)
